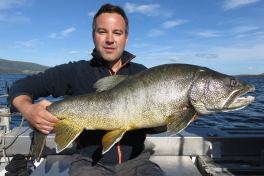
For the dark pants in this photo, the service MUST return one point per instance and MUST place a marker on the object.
(139, 166)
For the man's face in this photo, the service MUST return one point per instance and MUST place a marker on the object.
(109, 36)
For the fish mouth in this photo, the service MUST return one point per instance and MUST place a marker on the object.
(237, 101)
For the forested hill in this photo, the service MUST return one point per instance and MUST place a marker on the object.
(252, 76)
(8, 66)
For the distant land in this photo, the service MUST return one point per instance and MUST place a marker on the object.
(8, 66)
(252, 76)
(19, 67)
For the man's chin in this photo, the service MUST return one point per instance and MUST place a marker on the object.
(110, 58)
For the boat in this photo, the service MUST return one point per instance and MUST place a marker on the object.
(192, 152)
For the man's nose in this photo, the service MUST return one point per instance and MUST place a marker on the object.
(109, 39)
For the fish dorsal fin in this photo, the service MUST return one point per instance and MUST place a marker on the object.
(111, 138)
(66, 133)
(179, 120)
(109, 82)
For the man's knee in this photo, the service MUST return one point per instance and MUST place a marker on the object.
(149, 168)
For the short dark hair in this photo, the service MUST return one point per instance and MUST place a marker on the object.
(109, 8)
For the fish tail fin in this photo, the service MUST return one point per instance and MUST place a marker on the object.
(66, 133)
(111, 138)
(180, 120)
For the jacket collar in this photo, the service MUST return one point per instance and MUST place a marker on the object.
(126, 57)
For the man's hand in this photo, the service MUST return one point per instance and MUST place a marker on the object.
(36, 114)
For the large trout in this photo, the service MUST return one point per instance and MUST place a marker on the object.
(152, 98)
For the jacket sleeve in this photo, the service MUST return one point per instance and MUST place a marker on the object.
(56, 81)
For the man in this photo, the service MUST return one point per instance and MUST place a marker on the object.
(110, 35)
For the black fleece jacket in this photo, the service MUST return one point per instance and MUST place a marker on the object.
(77, 78)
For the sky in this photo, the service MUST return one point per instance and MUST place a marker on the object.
(224, 35)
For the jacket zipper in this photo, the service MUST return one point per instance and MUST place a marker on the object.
(118, 144)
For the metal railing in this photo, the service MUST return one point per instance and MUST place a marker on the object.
(5, 117)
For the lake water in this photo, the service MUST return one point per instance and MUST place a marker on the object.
(251, 116)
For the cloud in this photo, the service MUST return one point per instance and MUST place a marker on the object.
(64, 49)
(31, 51)
(206, 55)
(149, 10)
(240, 36)
(140, 45)
(241, 53)
(88, 52)
(154, 51)
(170, 24)
(231, 4)
(209, 33)
(256, 33)
(8, 4)
(91, 14)
(13, 46)
(67, 31)
(241, 29)
(173, 59)
(14, 17)
(30, 43)
(74, 52)
(155, 32)
(52, 35)
(160, 53)
(62, 34)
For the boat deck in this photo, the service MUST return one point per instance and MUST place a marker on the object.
(194, 151)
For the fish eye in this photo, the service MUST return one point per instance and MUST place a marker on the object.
(234, 82)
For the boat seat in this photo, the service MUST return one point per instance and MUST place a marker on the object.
(172, 165)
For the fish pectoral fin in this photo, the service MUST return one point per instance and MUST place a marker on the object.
(111, 138)
(66, 133)
(178, 121)
(109, 82)
(39, 143)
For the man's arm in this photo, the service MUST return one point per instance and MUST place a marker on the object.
(57, 81)
(36, 114)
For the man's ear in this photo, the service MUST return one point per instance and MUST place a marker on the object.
(127, 39)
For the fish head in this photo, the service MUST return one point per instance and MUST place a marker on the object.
(213, 92)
